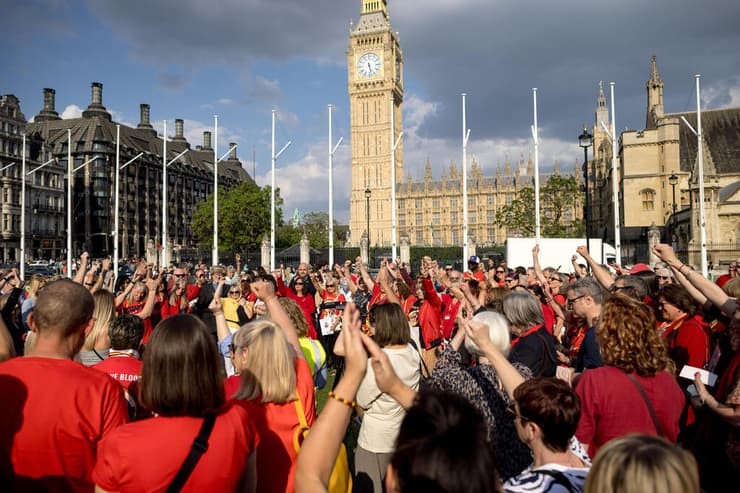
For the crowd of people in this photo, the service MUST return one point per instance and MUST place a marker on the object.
(498, 378)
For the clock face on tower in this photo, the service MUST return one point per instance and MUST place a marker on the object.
(368, 65)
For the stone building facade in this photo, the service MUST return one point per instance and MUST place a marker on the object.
(649, 157)
(44, 221)
(93, 139)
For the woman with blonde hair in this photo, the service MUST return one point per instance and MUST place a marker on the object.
(97, 343)
(635, 390)
(637, 463)
(35, 285)
(312, 348)
(275, 384)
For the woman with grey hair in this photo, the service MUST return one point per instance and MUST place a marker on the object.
(483, 387)
(532, 345)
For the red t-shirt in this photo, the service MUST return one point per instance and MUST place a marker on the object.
(146, 455)
(611, 406)
(277, 424)
(123, 367)
(54, 412)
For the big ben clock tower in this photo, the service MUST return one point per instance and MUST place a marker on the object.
(375, 78)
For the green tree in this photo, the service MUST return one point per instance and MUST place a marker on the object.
(559, 197)
(243, 217)
(316, 227)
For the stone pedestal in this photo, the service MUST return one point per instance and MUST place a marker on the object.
(405, 249)
(151, 252)
(471, 250)
(364, 249)
(305, 246)
(265, 253)
(653, 239)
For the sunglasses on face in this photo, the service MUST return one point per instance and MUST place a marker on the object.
(663, 278)
(299, 284)
(500, 272)
(234, 292)
(553, 279)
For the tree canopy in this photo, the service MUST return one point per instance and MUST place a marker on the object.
(316, 227)
(243, 217)
(559, 198)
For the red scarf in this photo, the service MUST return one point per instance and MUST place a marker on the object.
(529, 331)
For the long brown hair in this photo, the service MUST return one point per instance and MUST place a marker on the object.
(182, 373)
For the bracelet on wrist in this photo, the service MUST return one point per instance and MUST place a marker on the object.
(350, 404)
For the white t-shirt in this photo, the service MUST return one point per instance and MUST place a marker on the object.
(383, 414)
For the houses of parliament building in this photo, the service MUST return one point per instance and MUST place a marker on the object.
(429, 211)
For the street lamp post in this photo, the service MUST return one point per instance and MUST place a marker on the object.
(673, 180)
(368, 193)
(586, 140)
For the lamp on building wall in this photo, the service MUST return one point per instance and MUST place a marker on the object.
(586, 140)
(368, 193)
(673, 180)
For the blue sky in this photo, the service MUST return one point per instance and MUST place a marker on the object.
(240, 59)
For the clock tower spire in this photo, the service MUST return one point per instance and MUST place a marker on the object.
(375, 86)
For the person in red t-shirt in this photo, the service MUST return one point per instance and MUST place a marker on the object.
(274, 373)
(123, 361)
(55, 411)
(611, 403)
(688, 343)
(181, 384)
(139, 299)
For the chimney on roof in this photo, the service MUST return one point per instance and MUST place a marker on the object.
(144, 120)
(48, 113)
(232, 151)
(207, 141)
(96, 107)
(179, 130)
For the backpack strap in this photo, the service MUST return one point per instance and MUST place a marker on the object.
(200, 445)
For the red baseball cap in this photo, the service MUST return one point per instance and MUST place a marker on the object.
(639, 268)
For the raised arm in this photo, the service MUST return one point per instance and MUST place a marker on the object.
(384, 279)
(600, 273)
(265, 291)
(538, 269)
(714, 293)
(365, 274)
(151, 285)
(80, 274)
(576, 267)
(509, 375)
(222, 327)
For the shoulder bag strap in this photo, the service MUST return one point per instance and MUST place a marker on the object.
(656, 422)
(545, 353)
(423, 369)
(200, 445)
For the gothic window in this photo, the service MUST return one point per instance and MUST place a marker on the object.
(435, 204)
(435, 218)
(402, 220)
(453, 218)
(491, 216)
(419, 204)
(647, 197)
(453, 203)
(419, 237)
(472, 218)
(419, 219)
(471, 201)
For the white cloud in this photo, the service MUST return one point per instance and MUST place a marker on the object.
(304, 183)
(71, 111)
(225, 101)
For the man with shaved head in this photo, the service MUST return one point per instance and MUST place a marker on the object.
(55, 411)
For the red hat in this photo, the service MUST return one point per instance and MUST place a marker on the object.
(639, 268)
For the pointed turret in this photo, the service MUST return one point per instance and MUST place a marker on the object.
(530, 165)
(507, 166)
(556, 169)
(602, 112)
(428, 171)
(654, 88)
